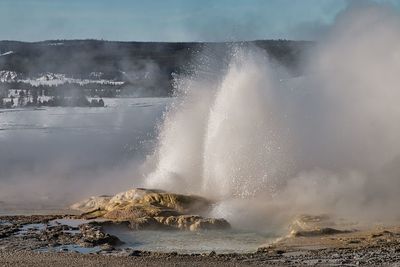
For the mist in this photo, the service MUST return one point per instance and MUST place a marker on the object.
(51, 158)
(267, 147)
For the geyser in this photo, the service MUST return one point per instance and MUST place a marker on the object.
(225, 139)
(268, 148)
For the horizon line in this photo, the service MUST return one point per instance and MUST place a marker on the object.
(172, 42)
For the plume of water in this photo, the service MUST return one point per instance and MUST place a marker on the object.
(245, 141)
(224, 139)
(268, 149)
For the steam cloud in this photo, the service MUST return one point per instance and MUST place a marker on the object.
(54, 157)
(267, 148)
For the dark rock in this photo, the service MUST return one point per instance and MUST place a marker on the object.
(94, 235)
(135, 253)
(280, 252)
(318, 232)
(107, 247)
(7, 230)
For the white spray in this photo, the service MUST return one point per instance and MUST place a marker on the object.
(268, 150)
(204, 143)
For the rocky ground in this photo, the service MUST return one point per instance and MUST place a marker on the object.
(36, 233)
(45, 246)
(51, 240)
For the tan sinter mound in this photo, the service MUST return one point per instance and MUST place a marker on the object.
(152, 209)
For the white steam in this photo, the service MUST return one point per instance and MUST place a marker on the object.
(245, 137)
(268, 149)
(205, 146)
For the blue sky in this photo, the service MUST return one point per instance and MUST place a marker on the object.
(167, 20)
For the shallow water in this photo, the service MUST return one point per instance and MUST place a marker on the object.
(186, 242)
(5, 223)
(32, 227)
(74, 222)
(6, 210)
(193, 242)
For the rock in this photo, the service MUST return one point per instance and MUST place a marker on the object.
(307, 222)
(280, 252)
(210, 224)
(107, 247)
(130, 196)
(310, 225)
(318, 232)
(153, 210)
(147, 223)
(138, 203)
(93, 235)
(97, 213)
(135, 253)
(194, 223)
(262, 250)
(185, 204)
(133, 211)
(182, 222)
(91, 204)
(7, 230)
(354, 241)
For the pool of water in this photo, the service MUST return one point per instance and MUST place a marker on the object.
(5, 223)
(193, 242)
(74, 222)
(185, 242)
(11, 211)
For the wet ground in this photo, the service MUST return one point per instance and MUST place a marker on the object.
(56, 240)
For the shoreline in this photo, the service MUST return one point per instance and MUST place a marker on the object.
(378, 245)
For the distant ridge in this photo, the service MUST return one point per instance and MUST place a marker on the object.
(147, 66)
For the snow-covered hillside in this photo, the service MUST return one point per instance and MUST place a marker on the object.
(6, 53)
(54, 79)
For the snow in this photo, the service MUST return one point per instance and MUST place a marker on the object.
(53, 44)
(54, 79)
(64, 80)
(8, 76)
(7, 53)
(96, 75)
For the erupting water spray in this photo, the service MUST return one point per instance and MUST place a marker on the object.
(327, 142)
(225, 140)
